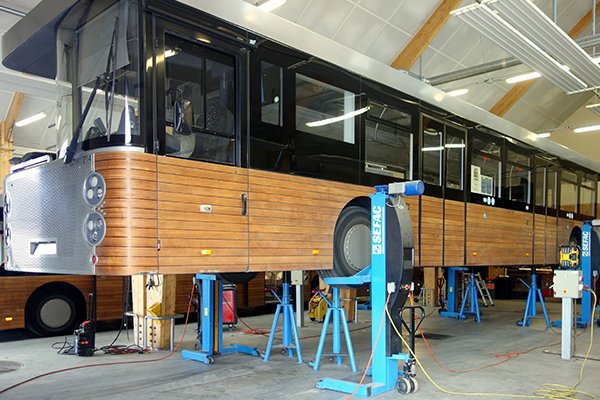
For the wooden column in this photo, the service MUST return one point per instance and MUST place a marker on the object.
(5, 129)
(430, 277)
(145, 296)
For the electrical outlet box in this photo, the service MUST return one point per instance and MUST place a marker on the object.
(299, 277)
(206, 208)
(568, 284)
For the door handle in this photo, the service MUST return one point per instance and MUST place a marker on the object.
(244, 204)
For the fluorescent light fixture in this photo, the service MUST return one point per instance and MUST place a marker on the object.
(438, 148)
(338, 119)
(587, 129)
(523, 30)
(170, 53)
(455, 146)
(595, 108)
(270, 5)
(458, 92)
(524, 77)
(30, 120)
(544, 135)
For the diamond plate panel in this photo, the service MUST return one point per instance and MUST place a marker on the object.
(44, 218)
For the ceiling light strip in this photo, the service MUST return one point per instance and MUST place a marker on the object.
(536, 26)
(504, 35)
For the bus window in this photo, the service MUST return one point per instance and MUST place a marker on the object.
(433, 146)
(325, 110)
(200, 101)
(517, 182)
(455, 157)
(485, 168)
(388, 149)
(568, 191)
(588, 195)
(271, 79)
(98, 75)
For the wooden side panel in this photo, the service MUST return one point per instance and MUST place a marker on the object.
(130, 245)
(292, 218)
(185, 231)
(413, 209)
(109, 297)
(454, 233)
(551, 240)
(432, 224)
(546, 251)
(498, 236)
(565, 226)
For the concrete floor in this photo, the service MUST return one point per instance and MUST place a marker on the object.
(466, 345)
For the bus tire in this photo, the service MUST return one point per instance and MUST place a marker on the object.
(351, 244)
(55, 310)
(237, 278)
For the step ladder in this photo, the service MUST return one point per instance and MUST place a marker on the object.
(481, 286)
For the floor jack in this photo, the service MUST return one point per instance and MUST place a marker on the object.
(210, 324)
(390, 274)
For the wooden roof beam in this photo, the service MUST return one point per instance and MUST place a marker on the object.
(5, 127)
(413, 50)
(519, 89)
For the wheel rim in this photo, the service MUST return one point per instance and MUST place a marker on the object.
(55, 313)
(356, 247)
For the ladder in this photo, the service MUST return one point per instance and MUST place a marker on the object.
(481, 286)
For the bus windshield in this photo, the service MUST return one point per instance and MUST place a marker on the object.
(98, 79)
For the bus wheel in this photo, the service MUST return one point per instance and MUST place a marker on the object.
(351, 244)
(54, 311)
(237, 278)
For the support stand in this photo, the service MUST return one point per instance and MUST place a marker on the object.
(452, 293)
(210, 324)
(471, 293)
(336, 311)
(287, 309)
(531, 307)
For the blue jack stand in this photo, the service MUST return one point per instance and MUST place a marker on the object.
(337, 311)
(532, 296)
(210, 330)
(471, 293)
(288, 321)
(390, 274)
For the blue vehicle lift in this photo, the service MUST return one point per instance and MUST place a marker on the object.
(384, 280)
(210, 329)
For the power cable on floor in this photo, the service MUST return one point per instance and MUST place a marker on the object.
(549, 391)
(111, 363)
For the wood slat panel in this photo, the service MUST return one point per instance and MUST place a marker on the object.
(565, 226)
(130, 190)
(552, 240)
(498, 236)
(454, 230)
(431, 231)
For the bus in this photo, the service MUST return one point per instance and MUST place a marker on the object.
(198, 136)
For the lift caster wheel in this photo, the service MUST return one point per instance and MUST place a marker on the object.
(332, 359)
(210, 360)
(403, 386)
(441, 310)
(475, 319)
(197, 346)
(256, 352)
(284, 351)
(414, 384)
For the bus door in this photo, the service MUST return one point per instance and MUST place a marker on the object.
(202, 190)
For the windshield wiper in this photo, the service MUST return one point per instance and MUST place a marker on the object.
(103, 78)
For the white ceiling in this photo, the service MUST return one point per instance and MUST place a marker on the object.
(380, 29)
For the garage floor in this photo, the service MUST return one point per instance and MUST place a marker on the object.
(458, 345)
